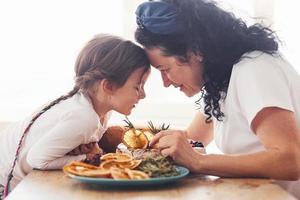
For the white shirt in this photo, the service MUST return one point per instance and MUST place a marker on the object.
(56, 132)
(257, 82)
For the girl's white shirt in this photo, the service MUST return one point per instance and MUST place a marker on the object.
(259, 80)
(56, 132)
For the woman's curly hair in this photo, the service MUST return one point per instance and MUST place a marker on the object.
(217, 35)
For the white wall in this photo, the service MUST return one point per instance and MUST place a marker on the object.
(39, 42)
(286, 23)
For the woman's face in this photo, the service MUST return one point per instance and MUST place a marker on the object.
(127, 96)
(187, 76)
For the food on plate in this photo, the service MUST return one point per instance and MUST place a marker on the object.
(119, 160)
(83, 169)
(113, 165)
(118, 173)
(139, 138)
(117, 157)
(153, 162)
(136, 174)
(135, 162)
(134, 138)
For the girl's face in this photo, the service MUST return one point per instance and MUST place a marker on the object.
(126, 97)
(187, 76)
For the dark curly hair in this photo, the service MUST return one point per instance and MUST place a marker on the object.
(219, 36)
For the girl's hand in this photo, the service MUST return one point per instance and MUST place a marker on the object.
(174, 143)
(90, 148)
(93, 159)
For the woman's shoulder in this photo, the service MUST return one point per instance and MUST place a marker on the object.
(257, 58)
(259, 62)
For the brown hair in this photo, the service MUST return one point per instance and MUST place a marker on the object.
(104, 57)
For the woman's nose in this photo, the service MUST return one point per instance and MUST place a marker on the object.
(166, 80)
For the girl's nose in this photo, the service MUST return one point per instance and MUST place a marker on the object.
(142, 93)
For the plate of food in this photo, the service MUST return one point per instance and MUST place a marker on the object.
(133, 164)
(122, 169)
(137, 182)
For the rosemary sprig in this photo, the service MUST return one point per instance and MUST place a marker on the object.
(164, 127)
(128, 122)
(155, 130)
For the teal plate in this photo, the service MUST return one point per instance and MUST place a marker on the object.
(151, 181)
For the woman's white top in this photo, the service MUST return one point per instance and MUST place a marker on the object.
(56, 132)
(256, 82)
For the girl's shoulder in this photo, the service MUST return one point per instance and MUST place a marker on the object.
(77, 109)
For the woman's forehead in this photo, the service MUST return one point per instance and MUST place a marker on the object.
(154, 52)
(156, 57)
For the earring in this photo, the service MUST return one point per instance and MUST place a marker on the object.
(200, 58)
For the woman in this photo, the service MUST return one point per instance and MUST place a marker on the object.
(249, 93)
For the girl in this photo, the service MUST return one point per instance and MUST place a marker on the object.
(110, 75)
(249, 92)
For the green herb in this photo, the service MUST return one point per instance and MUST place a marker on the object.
(128, 122)
(155, 130)
(159, 166)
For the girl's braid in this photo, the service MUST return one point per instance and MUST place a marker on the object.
(10, 175)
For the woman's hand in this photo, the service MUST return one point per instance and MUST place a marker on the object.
(174, 143)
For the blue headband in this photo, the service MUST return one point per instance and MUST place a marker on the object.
(158, 17)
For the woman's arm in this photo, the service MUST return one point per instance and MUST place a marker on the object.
(200, 130)
(278, 132)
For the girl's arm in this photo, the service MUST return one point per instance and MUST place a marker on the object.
(49, 152)
(58, 163)
(278, 132)
(199, 130)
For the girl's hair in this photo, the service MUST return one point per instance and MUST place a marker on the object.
(104, 57)
(218, 36)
